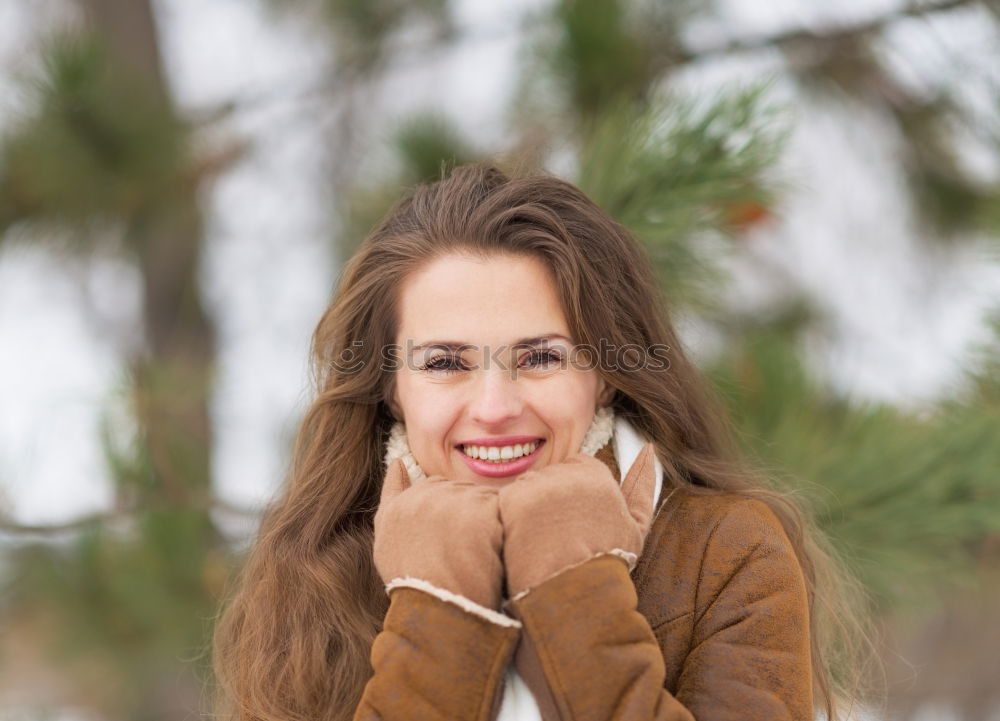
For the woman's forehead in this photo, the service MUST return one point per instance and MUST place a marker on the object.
(463, 299)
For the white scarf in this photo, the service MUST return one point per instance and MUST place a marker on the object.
(518, 703)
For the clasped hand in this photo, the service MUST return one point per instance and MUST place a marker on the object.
(480, 542)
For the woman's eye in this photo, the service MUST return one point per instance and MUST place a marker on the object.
(452, 364)
(542, 358)
(443, 364)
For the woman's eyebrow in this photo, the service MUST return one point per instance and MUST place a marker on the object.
(454, 345)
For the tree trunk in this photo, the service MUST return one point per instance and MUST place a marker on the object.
(173, 376)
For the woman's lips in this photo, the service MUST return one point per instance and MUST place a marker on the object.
(502, 469)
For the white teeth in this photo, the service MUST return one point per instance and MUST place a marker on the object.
(499, 453)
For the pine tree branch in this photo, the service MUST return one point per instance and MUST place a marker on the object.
(791, 42)
(797, 40)
(10, 527)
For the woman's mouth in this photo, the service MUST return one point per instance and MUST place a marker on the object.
(500, 461)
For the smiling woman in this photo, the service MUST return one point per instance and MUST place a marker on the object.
(469, 413)
(504, 504)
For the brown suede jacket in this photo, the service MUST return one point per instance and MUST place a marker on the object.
(712, 624)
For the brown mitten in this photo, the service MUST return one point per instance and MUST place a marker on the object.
(569, 512)
(446, 533)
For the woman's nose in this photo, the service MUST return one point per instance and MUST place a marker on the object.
(496, 397)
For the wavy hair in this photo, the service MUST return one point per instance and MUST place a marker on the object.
(293, 641)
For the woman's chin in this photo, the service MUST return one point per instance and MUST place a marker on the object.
(497, 483)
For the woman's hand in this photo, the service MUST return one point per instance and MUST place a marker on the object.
(447, 533)
(569, 512)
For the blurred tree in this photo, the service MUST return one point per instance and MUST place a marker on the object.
(103, 158)
(909, 500)
(367, 39)
(425, 146)
(676, 174)
(601, 56)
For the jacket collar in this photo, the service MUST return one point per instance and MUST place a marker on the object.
(626, 443)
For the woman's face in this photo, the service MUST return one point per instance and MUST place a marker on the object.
(487, 369)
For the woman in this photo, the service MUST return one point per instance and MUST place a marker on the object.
(513, 497)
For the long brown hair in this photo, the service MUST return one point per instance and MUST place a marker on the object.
(293, 643)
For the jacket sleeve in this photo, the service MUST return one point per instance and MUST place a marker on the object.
(749, 656)
(437, 659)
